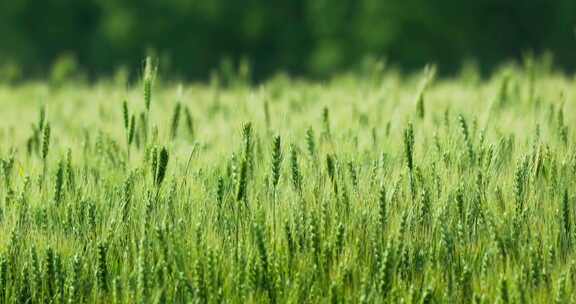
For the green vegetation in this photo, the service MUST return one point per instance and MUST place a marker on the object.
(368, 188)
(311, 38)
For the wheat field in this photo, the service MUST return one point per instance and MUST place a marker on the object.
(372, 187)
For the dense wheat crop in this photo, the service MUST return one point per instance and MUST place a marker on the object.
(371, 187)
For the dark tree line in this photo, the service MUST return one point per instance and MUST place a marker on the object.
(305, 37)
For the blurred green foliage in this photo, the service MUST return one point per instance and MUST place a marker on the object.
(305, 37)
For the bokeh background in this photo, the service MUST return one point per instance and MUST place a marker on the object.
(309, 38)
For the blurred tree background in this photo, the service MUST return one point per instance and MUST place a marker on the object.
(302, 37)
